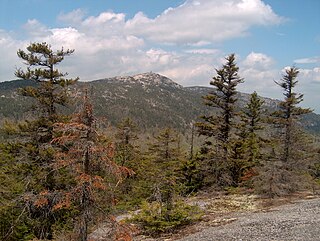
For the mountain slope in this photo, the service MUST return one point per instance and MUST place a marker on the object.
(150, 99)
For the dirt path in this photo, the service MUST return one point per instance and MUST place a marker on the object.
(296, 221)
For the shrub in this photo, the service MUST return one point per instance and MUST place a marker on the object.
(154, 218)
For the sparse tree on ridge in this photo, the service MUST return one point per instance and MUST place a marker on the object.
(219, 127)
(51, 92)
(166, 159)
(287, 116)
(250, 140)
(125, 137)
(36, 155)
(285, 170)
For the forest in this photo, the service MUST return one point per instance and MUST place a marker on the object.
(62, 174)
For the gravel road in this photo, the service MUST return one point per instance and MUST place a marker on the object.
(297, 221)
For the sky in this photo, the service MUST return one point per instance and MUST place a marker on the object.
(185, 40)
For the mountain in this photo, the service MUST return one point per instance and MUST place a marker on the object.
(150, 99)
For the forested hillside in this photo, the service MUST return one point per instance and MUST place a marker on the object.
(64, 170)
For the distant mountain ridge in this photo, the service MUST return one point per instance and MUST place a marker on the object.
(150, 99)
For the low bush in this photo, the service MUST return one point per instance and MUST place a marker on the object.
(154, 218)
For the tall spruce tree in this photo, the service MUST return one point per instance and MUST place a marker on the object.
(36, 156)
(51, 92)
(283, 171)
(289, 113)
(127, 154)
(252, 120)
(125, 137)
(250, 140)
(220, 125)
(166, 160)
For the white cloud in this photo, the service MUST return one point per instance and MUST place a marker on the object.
(161, 57)
(35, 29)
(259, 73)
(202, 51)
(74, 17)
(204, 21)
(310, 75)
(311, 60)
(109, 43)
(8, 51)
(258, 61)
(105, 18)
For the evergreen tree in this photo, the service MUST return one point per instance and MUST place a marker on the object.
(191, 176)
(288, 114)
(51, 92)
(283, 172)
(250, 130)
(246, 148)
(89, 157)
(253, 123)
(220, 126)
(166, 160)
(127, 154)
(125, 137)
(36, 155)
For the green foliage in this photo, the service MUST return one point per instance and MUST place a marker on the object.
(283, 170)
(247, 148)
(166, 157)
(219, 128)
(288, 114)
(38, 188)
(126, 135)
(155, 218)
(191, 177)
(41, 61)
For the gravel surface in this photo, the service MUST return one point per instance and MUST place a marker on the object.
(297, 221)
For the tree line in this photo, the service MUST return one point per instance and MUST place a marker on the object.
(62, 174)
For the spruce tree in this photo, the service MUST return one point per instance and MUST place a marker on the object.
(125, 137)
(51, 92)
(250, 137)
(127, 154)
(166, 160)
(252, 120)
(89, 157)
(36, 155)
(284, 171)
(219, 127)
(289, 113)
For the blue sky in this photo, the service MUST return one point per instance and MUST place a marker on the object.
(184, 40)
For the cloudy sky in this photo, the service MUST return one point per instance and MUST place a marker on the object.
(182, 39)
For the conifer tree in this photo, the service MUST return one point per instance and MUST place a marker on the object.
(51, 92)
(284, 171)
(289, 113)
(191, 176)
(127, 154)
(166, 156)
(125, 137)
(220, 126)
(252, 124)
(250, 140)
(36, 155)
(89, 157)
